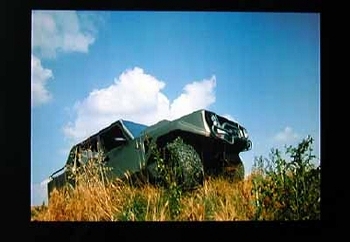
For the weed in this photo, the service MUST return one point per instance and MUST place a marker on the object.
(287, 190)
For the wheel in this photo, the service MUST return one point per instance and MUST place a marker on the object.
(185, 163)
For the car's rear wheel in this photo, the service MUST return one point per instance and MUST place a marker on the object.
(185, 163)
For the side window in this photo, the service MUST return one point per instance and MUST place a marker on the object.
(86, 151)
(84, 156)
(112, 138)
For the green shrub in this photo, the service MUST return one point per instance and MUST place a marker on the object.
(287, 189)
(135, 209)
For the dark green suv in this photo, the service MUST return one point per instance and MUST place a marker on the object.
(211, 144)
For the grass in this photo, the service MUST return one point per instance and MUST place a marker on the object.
(216, 200)
(278, 189)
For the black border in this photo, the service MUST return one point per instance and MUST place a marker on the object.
(16, 97)
(182, 5)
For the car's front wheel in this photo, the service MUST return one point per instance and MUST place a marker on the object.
(185, 163)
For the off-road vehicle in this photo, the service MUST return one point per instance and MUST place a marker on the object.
(210, 146)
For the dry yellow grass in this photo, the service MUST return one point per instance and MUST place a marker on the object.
(217, 200)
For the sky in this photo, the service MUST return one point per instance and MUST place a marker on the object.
(91, 68)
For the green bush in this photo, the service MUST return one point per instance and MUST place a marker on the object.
(287, 189)
(135, 209)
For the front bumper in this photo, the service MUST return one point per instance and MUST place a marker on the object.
(228, 131)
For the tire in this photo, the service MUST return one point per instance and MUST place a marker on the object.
(185, 164)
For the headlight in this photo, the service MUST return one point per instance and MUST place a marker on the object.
(215, 120)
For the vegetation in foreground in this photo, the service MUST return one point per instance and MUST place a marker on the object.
(278, 189)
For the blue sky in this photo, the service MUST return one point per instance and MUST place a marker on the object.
(92, 68)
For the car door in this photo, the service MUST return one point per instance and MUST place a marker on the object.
(126, 158)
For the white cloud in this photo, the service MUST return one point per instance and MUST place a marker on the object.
(286, 136)
(195, 96)
(136, 96)
(54, 31)
(39, 78)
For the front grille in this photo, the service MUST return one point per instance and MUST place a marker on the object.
(230, 126)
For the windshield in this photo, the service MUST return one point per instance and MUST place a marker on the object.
(134, 128)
